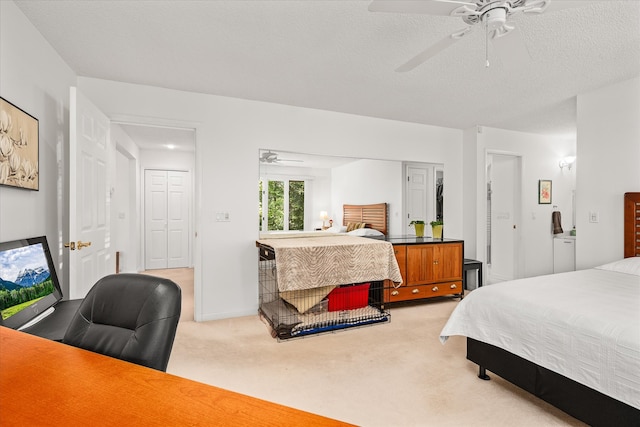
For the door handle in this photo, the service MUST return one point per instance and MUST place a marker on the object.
(82, 244)
(72, 245)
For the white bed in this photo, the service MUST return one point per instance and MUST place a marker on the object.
(583, 325)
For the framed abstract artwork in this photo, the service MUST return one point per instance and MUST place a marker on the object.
(19, 148)
(544, 192)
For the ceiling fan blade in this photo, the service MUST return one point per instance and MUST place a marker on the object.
(565, 4)
(509, 46)
(543, 6)
(429, 7)
(432, 50)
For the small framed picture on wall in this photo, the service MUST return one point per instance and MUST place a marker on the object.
(544, 192)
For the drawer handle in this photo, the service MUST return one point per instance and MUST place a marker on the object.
(453, 286)
(434, 289)
(435, 262)
(415, 291)
(394, 293)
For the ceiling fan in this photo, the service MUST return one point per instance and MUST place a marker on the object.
(493, 15)
(271, 157)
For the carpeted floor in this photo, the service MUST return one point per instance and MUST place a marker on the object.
(394, 374)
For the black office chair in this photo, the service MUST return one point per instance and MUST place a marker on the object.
(132, 317)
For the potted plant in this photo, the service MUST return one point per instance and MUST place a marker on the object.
(419, 227)
(436, 229)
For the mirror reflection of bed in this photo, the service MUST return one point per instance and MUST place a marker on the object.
(329, 182)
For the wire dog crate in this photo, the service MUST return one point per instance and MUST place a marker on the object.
(292, 314)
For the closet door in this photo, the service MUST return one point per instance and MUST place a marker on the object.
(177, 219)
(166, 219)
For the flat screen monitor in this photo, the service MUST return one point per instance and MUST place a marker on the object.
(29, 286)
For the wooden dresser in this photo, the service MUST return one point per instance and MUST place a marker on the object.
(429, 267)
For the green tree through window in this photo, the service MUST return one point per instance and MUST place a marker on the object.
(284, 201)
(296, 205)
(276, 205)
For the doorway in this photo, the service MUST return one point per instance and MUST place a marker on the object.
(424, 193)
(503, 217)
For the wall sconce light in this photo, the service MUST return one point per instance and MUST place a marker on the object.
(324, 216)
(567, 161)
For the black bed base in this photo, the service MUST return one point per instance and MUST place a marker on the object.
(577, 400)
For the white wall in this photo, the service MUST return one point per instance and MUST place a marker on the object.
(321, 199)
(167, 160)
(607, 167)
(125, 203)
(121, 212)
(540, 156)
(229, 134)
(470, 187)
(33, 77)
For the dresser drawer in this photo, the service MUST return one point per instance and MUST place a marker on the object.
(408, 293)
(445, 288)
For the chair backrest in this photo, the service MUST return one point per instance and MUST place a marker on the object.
(132, 317)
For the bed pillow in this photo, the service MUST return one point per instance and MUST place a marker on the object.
(354, 226)
(365, 232)
(336, 229)
(629, 265)
(304, 299)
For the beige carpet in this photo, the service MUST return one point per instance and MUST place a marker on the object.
(394, 374)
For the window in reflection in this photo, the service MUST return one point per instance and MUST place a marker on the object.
(284, 209)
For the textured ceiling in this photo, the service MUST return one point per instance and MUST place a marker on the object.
(336, 55)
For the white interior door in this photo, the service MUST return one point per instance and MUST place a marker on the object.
(155, 219)
(91, 157)
(178, 219)
(504, 179)
(419, 202)
(166, 219)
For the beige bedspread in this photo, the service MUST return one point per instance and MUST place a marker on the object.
(311, 262)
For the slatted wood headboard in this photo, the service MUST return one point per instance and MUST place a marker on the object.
(374, 216)
(631, 224)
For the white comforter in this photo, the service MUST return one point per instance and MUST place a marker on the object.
(584, 325)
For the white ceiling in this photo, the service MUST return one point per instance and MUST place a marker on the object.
(336, 55)
(159, 137)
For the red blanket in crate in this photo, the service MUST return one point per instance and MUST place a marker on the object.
(349, 297)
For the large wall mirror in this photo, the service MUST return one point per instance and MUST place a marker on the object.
(299, 191)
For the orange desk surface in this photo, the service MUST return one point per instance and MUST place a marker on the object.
(45, 382)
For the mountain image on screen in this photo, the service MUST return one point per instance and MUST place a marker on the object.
(26, 279)
(30, 277)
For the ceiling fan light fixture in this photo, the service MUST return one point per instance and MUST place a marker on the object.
(495, 18)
